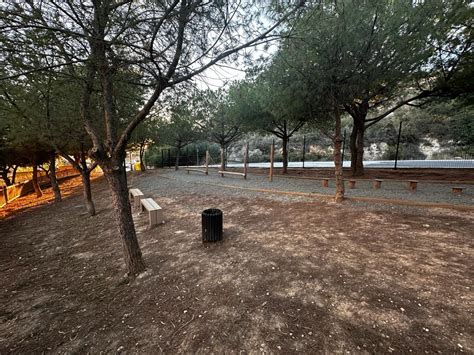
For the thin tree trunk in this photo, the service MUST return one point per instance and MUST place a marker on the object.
(5, 178)
(86, 184)
(142, 151)
(79, 163)
(339, 197)
(36, 186)
(359, 168)
(123, 215)
(222, 158)
(353, 147)
(14, 174)
(52, 178)
(285, 154)
(176, 166)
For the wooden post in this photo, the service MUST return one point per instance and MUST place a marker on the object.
(398, 144)
(207, 162)
(412, 185)
(377, 184)
(272, 157)
(246, 160)
(325, 183)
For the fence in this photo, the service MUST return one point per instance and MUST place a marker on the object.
(316, 151)
(166, 157)
(10, 193)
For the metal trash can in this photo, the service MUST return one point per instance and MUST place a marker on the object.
(212, 225)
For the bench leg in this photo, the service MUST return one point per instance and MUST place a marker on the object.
(137, 201)
(152, 215)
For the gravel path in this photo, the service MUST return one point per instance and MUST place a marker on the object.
(197, 183)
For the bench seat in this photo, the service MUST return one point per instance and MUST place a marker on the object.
(136, 195)
(155, 212)
(222, 172)
(196, 170)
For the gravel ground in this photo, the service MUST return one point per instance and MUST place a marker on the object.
(197, 183)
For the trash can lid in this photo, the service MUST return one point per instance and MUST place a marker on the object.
(212, 212)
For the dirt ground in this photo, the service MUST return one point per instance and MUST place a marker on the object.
(439, 175)
(289, 276)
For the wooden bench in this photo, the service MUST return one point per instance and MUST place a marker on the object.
(155, 212)
(222, 172)
(377, 183)
(412, 185)
(325, 182)
(135, 196)
(196, 170)
(457, 190)
(352, 184)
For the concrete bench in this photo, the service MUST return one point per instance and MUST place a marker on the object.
(325, 182)
(457, 190)
(377, 183)
(352, 184)
(412, 185)
(196, 170)
(222, 172)
(135, 196)
(155, 212)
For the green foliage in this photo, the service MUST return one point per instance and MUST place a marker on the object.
(218, 117)
(181, 129)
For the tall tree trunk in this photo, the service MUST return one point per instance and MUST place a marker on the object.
(5, 176)
(52, 178)
(339, 197)
(353, 147)
(86, 185)
(285, 154)
(142, 152)
(176, 166)
(123, 215)
(359, 168)
(222, 158)
(359, 115)
(36, 186)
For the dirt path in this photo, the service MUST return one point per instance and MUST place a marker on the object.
(290, 276)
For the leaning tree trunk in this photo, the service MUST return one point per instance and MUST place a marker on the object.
(285, 154)
(36, 186)
(53, 179)
(123, 215)
(86, 185)
(359, 168)
(339, 197)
